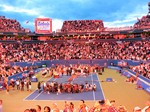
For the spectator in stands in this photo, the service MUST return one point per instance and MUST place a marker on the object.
(122, 108)
(55, 107)
(112, 107)
(32, 110)
(147, 107)
(67, 107)
(137, 109)
(38, 108)
(47, 109)
(72, 107)
(82, 106)
(103, 105)
(96, 107)
(27, 110)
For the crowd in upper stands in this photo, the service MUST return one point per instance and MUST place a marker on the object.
(82, 26)
(10, 25)
(142, 23)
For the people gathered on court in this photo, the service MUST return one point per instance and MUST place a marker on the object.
(73, 71)
(59, 88)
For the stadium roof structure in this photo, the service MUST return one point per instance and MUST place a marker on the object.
(134, 31)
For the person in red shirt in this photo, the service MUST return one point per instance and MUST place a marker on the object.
(112, 107)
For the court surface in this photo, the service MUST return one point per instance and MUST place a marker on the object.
(90, 95)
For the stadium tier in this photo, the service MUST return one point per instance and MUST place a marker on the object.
(10, 25)
(83, 26)
(143, 23)
(77, 29)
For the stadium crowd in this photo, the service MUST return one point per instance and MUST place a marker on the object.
(7, 70)
(142, 23)
(10, 25)
(138, 50)
(83, 26)
(20, 82)
(143, 69)
(99, 106)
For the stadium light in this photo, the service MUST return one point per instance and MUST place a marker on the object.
(148, 8)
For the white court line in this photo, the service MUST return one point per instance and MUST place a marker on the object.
(42, 91)
(34, 91)
(37, 95)
(60, 100)
(101, 86)
(92, 85)
(29, 95)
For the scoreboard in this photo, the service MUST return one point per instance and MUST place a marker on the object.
(43, 25)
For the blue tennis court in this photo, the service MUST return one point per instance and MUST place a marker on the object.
(89, 95)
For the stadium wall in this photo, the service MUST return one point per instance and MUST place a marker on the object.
(100, 62)
(142, 81)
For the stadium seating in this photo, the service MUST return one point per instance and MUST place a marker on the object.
(83, 26)
(143, 23)
(10, 25)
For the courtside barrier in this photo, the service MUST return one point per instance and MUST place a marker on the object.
(142, 81)
(101, 62)
(140, 76)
